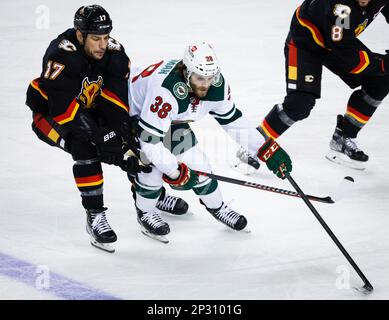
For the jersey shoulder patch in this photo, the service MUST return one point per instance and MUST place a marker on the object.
(177, 87)
(342, 11)
(114, 45)
(67, 45)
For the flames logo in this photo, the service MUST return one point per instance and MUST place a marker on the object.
(89, 91)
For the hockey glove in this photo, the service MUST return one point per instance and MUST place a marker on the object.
(277, 160)
(111, 150)
(128, 132)
(186, 180)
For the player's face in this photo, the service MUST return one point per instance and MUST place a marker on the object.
(363, 3)
(200, 84)
(95, 45)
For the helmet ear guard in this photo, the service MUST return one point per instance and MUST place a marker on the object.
(92, 19)
(201, 59)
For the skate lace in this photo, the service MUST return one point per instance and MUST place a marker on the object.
(168, 203)
(153, 219)
(100, 223)
(351, 144)
(227, 215)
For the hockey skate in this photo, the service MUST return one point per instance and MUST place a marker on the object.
(345, 151)
(229, 217)
(171, 204)
(153, 226)
(99, 230)
(245, 162)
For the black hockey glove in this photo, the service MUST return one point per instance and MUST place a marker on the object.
(111, 150)
(128, 132)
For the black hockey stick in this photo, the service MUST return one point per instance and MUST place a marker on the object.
(367, 287)
(327, 199)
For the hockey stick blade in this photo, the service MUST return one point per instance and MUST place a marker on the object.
(366, 289)
(254, 185)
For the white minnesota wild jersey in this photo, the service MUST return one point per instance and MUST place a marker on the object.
(159, 97)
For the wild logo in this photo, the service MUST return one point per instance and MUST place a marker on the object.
(89, 91)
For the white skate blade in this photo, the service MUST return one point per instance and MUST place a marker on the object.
(102, 246)
(245, 230)
(342, 159)
(159, 238)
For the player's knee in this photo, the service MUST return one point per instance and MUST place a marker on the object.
(298, 105)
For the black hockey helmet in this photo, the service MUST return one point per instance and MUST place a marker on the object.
(92, 19)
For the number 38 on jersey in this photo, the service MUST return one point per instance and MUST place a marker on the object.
(160, 108)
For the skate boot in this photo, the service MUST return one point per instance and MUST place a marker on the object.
(344, 150)
(246, 163)
(100, 231)
(229, 217)
(171, 204)
(152, 225)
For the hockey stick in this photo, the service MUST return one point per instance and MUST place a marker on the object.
(367, 287)
(327, 199)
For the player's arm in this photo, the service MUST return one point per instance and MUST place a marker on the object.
(158, 111)
(245, 134)
(342, 40)
(154, 122)
(234, 123)
(61, 83)
(113, 100)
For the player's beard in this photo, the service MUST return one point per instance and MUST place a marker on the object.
(200, 91)
(97, 55)
(94, 53)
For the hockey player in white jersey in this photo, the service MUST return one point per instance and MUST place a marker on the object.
(166, 97)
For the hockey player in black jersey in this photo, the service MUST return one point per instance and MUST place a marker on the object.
(325, 33)
(80, 105)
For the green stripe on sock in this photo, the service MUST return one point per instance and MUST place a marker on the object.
(207, 189)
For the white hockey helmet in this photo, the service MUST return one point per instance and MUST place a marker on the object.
(200, 58)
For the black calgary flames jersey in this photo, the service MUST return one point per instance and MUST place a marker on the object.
(332, 27)
(70, 81)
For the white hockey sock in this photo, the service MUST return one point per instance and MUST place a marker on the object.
(145, 204)
(213, 200)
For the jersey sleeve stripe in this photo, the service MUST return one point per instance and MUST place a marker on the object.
(69, 114)
(110, 96)
(317, 36)
(35, 85)
(363, 64)
(150, 128)
(227, 115)
(223, 121)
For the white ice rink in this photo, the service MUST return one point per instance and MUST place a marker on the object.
(44, 248)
